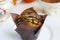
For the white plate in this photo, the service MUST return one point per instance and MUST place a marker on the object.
(45, 33)
(53, 23)
(7, 31)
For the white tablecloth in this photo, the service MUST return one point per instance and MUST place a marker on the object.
(50, 31)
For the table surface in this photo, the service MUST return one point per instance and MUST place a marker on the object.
(52, 22)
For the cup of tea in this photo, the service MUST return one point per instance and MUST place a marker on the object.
(51, 7)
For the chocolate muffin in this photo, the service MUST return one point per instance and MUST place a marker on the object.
(28, 23)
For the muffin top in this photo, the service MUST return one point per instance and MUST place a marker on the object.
(29, 17)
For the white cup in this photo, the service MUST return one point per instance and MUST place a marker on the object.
(50, 8)
(4, 10)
